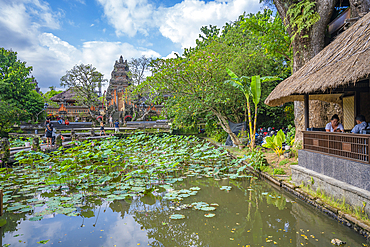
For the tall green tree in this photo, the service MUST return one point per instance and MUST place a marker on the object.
(15, 87)
(85, 80)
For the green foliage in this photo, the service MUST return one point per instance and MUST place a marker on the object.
(290, 136)
(279, 171)
(9, 115)
(276, 142)
(270, 33)
(256, 158)
(283, 162)
(16, 91)
(250, 87)
(85, 80)
(195, 79)
(49, 94)
(301, 17)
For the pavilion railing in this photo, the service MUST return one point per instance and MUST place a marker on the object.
(344, 145)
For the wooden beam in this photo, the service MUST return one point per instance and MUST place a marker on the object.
(306, 112)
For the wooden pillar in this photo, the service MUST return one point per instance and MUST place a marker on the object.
(306, 112)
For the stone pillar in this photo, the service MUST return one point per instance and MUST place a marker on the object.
(4, 151)
(35, 144)
(58, 141)
(73, 134)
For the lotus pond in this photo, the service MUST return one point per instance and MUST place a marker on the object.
(152, 191)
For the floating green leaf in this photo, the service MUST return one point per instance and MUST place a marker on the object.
(177, 217)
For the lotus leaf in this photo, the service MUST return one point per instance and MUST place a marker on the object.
(177, 216)
(207, 208)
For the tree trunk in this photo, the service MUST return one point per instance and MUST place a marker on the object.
(304, 49)
(225, 126)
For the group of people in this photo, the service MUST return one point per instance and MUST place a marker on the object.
(116, 126)
(50, 133)
(335, 126)
(61, 121)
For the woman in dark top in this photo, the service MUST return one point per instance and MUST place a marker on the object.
(102, 128)
(49, 132)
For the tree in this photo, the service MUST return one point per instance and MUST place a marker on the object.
(49, 94)
(251, 88)
(15, 87)
(138, 68)
(9, 115)
(306, 23)
(85, 80)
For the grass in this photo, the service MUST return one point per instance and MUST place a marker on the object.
(279, 171)
(283, 162)
(340, 204)
(294, 163)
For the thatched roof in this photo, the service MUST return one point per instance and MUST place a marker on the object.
(346, 60)
(68, 95)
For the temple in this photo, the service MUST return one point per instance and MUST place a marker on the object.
(120, 105)
(117, 85)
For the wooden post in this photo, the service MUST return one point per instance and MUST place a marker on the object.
(1, 202)
(306, 112)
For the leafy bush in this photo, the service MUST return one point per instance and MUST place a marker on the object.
(275, 142)
(257, 159)
(290, 136)
(283, 162)
(279, 171)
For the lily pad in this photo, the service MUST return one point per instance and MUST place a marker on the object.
(36, 218)
(227, 188)
(177, 217)
(194, 188)
(207, 208)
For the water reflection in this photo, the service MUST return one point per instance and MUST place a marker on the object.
(253, 213)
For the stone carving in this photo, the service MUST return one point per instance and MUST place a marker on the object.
(35, 144)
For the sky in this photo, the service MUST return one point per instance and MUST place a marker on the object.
(54, 35)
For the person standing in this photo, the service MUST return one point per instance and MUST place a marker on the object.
(48, 132)
(116, 126)
(111, 121)
(102, 128)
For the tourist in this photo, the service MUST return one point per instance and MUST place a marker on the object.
(334, 125)
(66, 122)
(361, 124)
(48, 132)
(111, 121)
(116, 126)
(60, 120)
(102, 128)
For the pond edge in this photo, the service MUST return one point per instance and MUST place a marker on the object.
(346, 219)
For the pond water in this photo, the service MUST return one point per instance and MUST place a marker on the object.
(250, 212)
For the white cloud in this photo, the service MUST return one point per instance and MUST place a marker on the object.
(49, 55)
(128, 16)
(180, 23)
(92, 25)
(171, 55)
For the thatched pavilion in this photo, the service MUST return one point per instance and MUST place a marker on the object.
(339, 74)
(338, 163)
(68, 107)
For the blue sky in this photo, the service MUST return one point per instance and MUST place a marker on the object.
(54, 35)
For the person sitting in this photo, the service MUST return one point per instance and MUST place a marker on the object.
(361, 124)
(334, 125)
(66, 122)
